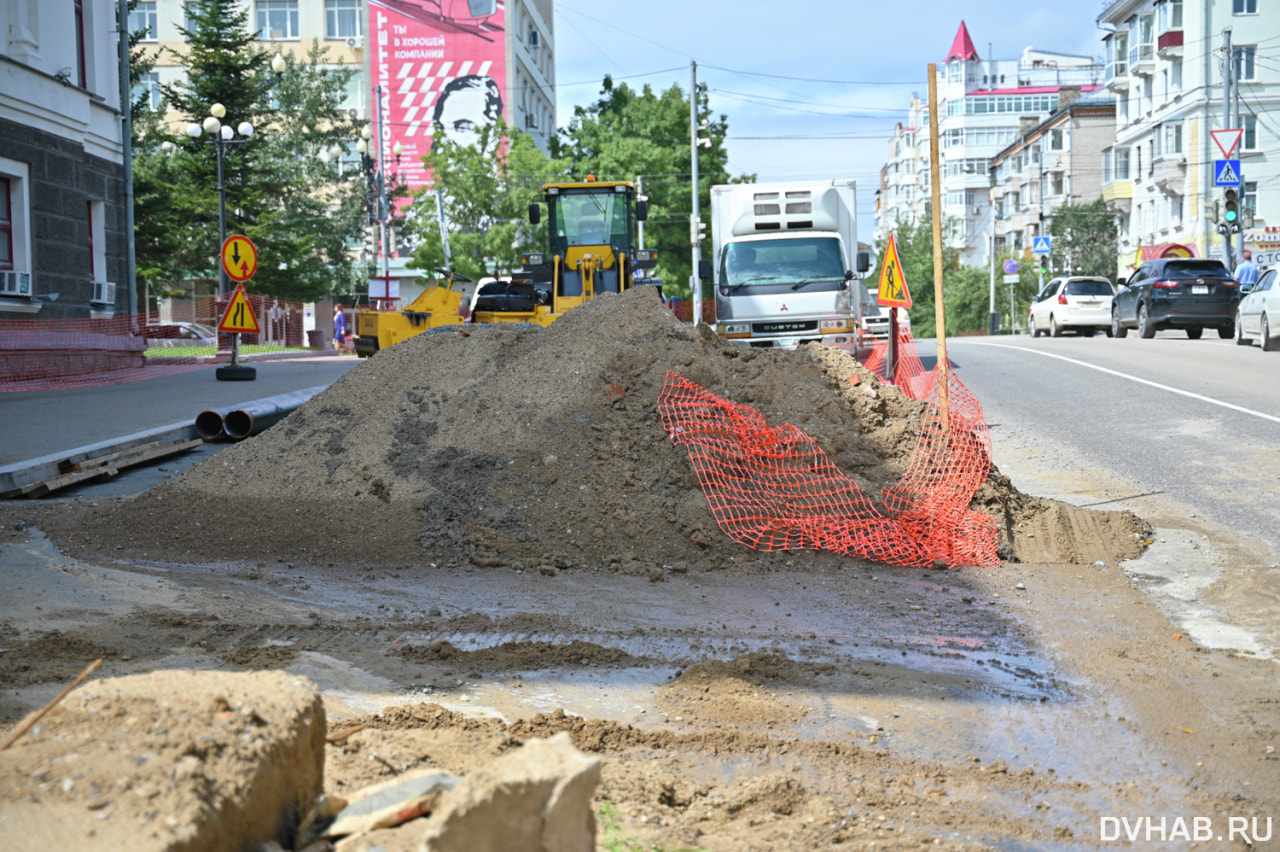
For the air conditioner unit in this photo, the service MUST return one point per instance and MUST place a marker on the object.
(104, 293)
(15, 284)
(356, 42)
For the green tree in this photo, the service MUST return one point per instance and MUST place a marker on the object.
(1085, 240)
(301, 212)
(628, 133)
(487, 189)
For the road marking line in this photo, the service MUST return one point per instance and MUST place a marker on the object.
(1207, 399)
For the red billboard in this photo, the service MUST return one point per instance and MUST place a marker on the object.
(438, 64)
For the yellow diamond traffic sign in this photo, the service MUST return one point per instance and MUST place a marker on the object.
(239, 316)
(893, 285)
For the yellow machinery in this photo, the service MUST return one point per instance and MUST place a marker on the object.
(436, 306)
(590, 228)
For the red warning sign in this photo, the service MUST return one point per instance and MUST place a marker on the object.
(239, 316)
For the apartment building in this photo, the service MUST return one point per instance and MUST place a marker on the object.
(981, 105)
(62, 217)
(1052, 163)
(1166, 64)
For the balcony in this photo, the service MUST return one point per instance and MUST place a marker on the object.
(1118, 76)
(1169, 45)
(1142, 60)
(1170, 174)
(1118, 195)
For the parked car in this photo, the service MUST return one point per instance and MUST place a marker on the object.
(1072, 303)
(1177, 292)
(1258, 314)
(179, 334)
(875, 318)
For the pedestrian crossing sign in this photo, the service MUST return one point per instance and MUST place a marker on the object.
(893, 291)
(1226, 173)
(239, 316)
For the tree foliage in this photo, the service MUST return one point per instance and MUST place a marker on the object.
(1085, 240)
(301, 211)
(486, 188)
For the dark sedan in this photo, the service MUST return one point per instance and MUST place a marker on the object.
(1187, 293)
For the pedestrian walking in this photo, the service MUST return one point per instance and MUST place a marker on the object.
(341, 336)
(1246, 273)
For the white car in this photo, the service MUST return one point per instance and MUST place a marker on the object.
(1075, 303)
(875, 318)
(1258, 314)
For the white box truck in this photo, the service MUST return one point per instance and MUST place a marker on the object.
(786, 265)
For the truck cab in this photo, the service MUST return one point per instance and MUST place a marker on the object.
(787, 267)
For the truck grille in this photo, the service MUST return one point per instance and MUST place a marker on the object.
(783, 327)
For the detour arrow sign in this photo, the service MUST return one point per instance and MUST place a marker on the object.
(239, 258)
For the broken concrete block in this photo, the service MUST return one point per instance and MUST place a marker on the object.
(535, 799)
(197, 761)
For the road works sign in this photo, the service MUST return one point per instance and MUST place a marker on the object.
(239, 258)
(893, 286)
(239, 316)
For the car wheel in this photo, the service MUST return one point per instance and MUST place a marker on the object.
(1225, 331)
(1106, 329)
(1241, 340)
(1117, 330)
(1145, 328)
(1194, 332)
(1055, 330)
(1265, 340)
(1031, 327)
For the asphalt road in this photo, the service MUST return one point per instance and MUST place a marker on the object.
(43, 423)
(1197, 421)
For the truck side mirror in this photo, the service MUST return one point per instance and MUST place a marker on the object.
(642, 210)
(535, 213)
(1121, 282)
(864, 261)
(704, 269)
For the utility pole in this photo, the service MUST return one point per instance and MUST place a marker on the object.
(991, 254)
(694, 283)
(1228, 74)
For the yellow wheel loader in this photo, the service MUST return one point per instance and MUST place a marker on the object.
(435, 307)
(590, 236)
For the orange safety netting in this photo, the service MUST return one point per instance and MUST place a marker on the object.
(773, 488)
(43, 354)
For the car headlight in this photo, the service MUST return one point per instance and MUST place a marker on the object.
(734, 329)
(834, 326)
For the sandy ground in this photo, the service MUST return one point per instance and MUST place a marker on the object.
(472, 540)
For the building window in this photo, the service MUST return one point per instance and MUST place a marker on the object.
(1171, 141)
(82, 65)
(277, 19)
(1245, 67)
(1250, 197)
(147, 90)
(143, 19)
(6, 225)
(1055, 140)
(188, 14)
(342, 18)
(1250, 140)
(1057, 183)
(1168, 15)
(1244, 7)
(1175, 75)
(1122, 164)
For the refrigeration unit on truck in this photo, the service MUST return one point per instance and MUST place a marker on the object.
(786, 265)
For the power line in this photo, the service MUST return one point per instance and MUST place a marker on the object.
(817, 80)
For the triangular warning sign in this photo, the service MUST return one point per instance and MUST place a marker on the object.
(893, 285)
(239, 316)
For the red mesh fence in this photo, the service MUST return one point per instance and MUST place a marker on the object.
(773, 488)
(41, 354)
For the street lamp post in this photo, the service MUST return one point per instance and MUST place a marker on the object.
(220, 136)
(377, 186)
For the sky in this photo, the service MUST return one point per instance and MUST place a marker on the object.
(811, 89)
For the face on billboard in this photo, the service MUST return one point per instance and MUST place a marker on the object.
(465, 105)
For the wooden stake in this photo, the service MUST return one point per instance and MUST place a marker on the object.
(939, 306)
(31, 722)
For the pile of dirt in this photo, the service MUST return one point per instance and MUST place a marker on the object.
(541, 449)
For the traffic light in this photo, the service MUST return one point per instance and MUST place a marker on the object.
(697, 230)
(1231, 208)
(1044, 263)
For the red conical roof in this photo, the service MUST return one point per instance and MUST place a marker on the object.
(962, 48)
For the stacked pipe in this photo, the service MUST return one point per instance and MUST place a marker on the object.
(240, 421)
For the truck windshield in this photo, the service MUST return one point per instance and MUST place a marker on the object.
(592, 218)
(816, 261)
